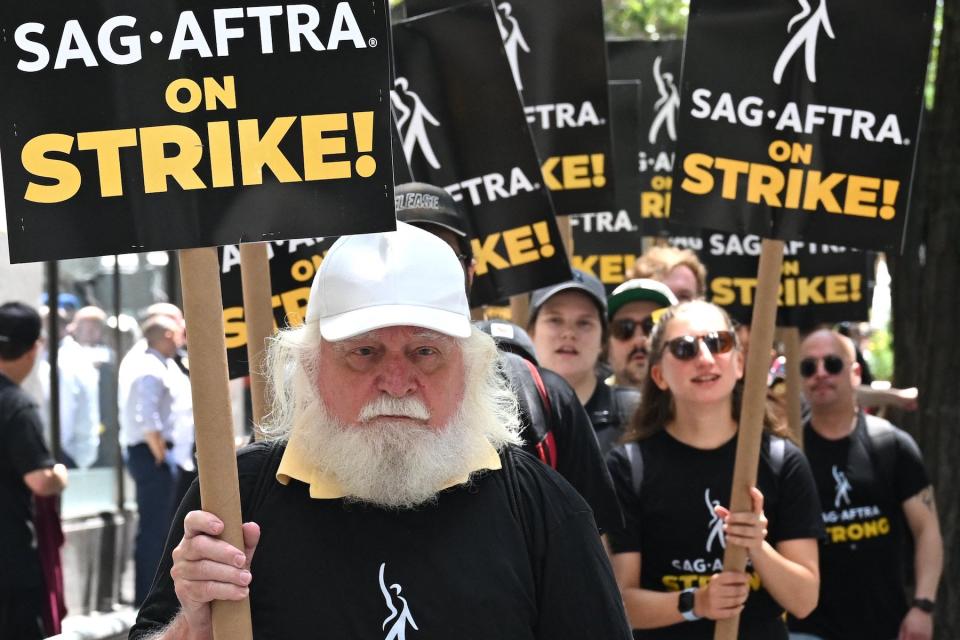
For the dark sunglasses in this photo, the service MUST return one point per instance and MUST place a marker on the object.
(687, 347)
(831, 364)
(625, 328)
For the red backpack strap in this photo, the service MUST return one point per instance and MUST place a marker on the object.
(546, 448)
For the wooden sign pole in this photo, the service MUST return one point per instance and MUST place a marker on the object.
(216, 457)
(754, 405)
(258, 316)
(791, 343)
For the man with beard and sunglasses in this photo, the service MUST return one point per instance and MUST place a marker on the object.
(389, 500)
(874, 490)
(631, 309)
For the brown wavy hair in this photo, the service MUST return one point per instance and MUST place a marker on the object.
(657, 408)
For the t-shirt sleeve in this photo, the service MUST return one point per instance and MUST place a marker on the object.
(579, 598)
(578, 454)
(627, 538)
(798, 513)
(162, 605)
(24, 440)
(577, 595)
(910, 476)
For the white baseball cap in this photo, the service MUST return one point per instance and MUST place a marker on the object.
(399, 278)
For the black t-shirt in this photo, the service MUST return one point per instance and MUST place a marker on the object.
(862, 557)
(22, 450)
(462, 568)
(671, 523)
(610, 408)
(578, 457)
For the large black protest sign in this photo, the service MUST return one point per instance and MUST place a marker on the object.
(293, 264)
(619, 229)
(558, 63)
(136, 126)
(656, 63)
(801, 119)
(606, 243)
(819, 282)
(462, 127)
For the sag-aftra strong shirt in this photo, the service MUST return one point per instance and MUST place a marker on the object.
(672, 523)
(461, 568)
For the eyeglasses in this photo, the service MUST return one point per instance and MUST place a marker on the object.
(625, 328)
(687, 347)
(831, 364)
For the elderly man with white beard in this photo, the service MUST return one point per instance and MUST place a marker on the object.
(389, 500)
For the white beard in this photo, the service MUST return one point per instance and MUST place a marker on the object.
(394, 464)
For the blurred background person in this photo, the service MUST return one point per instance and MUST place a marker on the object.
(27, 472)
(568, 325)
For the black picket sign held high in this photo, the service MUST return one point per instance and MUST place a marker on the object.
(144, 126)
(800, 120)
(462, 127)
(558, 64)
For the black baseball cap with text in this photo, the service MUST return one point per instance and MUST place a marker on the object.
(419, 204)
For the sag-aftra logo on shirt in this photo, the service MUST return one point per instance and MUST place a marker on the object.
(852, 523)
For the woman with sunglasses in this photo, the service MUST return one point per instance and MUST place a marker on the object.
(568, 327)
(673, 474)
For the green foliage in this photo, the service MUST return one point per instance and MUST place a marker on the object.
(930, 88)
(653, 19)
(880, 355)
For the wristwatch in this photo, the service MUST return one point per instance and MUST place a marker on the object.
(924, 604)
(685, 605)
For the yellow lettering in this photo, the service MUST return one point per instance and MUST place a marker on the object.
(764, 183)
(315, 147)
(65, 175)
(611, 269)
(861, 196)
(731, 174)
(157, 166)
(722, 291)
(697, 179)
(225, 93)
(652, 205)
(576, 172)
(221, 154)
(107, 145)
(819, 191)
(486, 254)
(837, 289)
(520, 246)
(234, 327)
(549, 179)
(256, 152)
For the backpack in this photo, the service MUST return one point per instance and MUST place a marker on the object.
(777, 447)
(535, 399)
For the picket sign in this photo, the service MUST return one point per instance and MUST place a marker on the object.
(754, 406)
(791, 344)
(216, 457)
(258, 314)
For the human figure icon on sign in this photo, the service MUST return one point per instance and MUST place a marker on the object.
(806, 36)
(666, 105)
(411, 121)
(400, 619)
(513, 39)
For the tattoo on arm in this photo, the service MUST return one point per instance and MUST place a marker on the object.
(926, 496)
